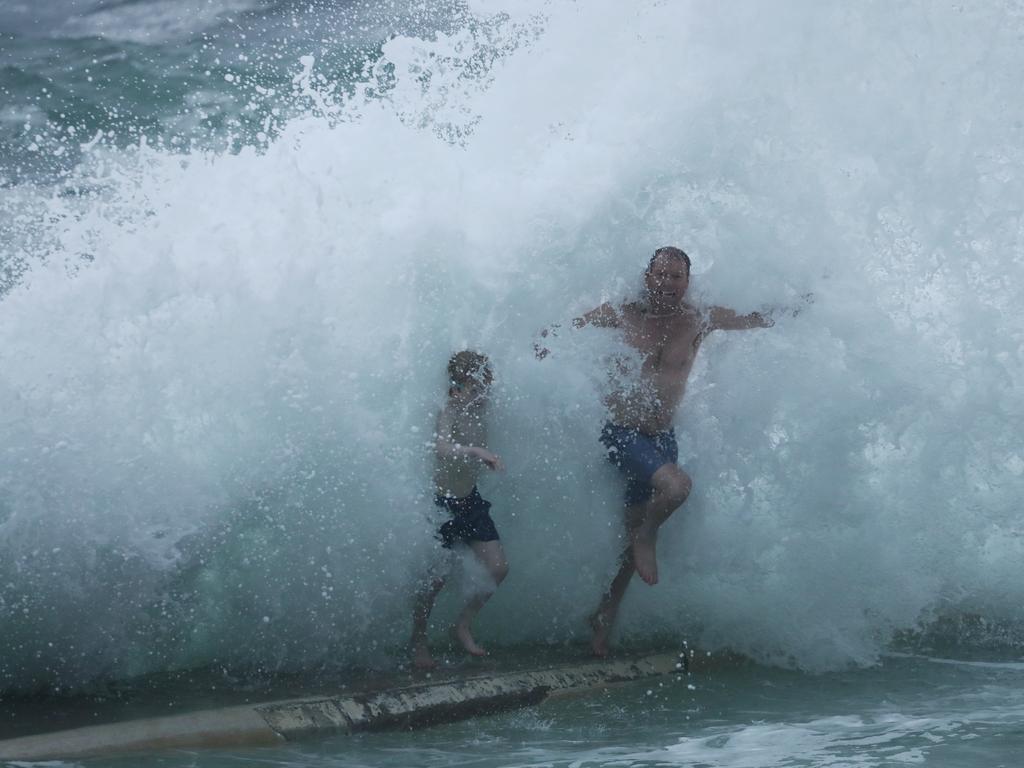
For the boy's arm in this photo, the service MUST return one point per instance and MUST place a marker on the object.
(603, 316)
(446, 449)
(444, 446)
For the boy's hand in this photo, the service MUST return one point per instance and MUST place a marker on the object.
(492, 460)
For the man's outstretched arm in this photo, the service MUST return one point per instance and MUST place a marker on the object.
(724, 319)
(603, 316)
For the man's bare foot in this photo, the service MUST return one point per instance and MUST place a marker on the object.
(462, 634)
(602, 628)
(421, 658)
(645, 556)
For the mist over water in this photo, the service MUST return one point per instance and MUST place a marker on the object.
(220, 370)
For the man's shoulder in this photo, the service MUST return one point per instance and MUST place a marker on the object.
(686, 314)
(694, 313)
(606, 315)
(632, 310)
(691, 320)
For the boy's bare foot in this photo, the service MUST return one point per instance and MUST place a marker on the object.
(645, 556)
(462, 634)
(421, 658)
(602, 628)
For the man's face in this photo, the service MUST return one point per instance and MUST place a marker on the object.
(666, 282)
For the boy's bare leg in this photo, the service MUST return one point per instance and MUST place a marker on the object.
(671, 487)
(602, 620)
(492, 555)
(422, 606)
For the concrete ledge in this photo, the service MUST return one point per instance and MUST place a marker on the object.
(232, 726)
(445, 701)
(406, 706)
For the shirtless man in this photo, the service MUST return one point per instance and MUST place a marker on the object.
(666, 330)
(461, 454)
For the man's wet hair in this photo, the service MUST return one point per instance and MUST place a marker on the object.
(673, 252)
(469, 365)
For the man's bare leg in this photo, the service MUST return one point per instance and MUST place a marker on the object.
(422, 606)
(671, 487)
(491, 554)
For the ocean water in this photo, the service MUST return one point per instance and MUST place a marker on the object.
(240, 238)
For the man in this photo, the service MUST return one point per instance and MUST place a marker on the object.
(666, 330)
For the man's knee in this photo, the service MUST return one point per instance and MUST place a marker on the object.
(673, 482)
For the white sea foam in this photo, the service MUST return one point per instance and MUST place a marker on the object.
(216, 422)
(878, 738)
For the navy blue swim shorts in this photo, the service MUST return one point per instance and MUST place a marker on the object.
(639, 456)
(471, 519)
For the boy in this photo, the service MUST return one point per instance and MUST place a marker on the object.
(460, 456)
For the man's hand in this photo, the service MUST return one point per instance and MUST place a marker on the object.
(763, 319)
(604, 316)
(807, 299)
(539, 349)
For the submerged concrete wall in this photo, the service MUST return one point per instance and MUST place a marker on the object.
(402, 706)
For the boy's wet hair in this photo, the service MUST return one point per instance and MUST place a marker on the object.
(673, 252)
(469, 365)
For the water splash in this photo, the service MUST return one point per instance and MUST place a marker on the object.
(219, 370)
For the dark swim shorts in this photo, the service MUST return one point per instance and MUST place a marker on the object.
(471, 519)
(639, 456)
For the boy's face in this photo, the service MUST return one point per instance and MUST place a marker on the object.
(473, 389)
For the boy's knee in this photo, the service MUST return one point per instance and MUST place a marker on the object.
(499, 571)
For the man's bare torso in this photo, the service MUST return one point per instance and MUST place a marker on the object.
(668, 345)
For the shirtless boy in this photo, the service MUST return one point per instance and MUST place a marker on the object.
(667, 331)
(461, 454)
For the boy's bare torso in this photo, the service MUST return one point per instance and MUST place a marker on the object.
(456, 473)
